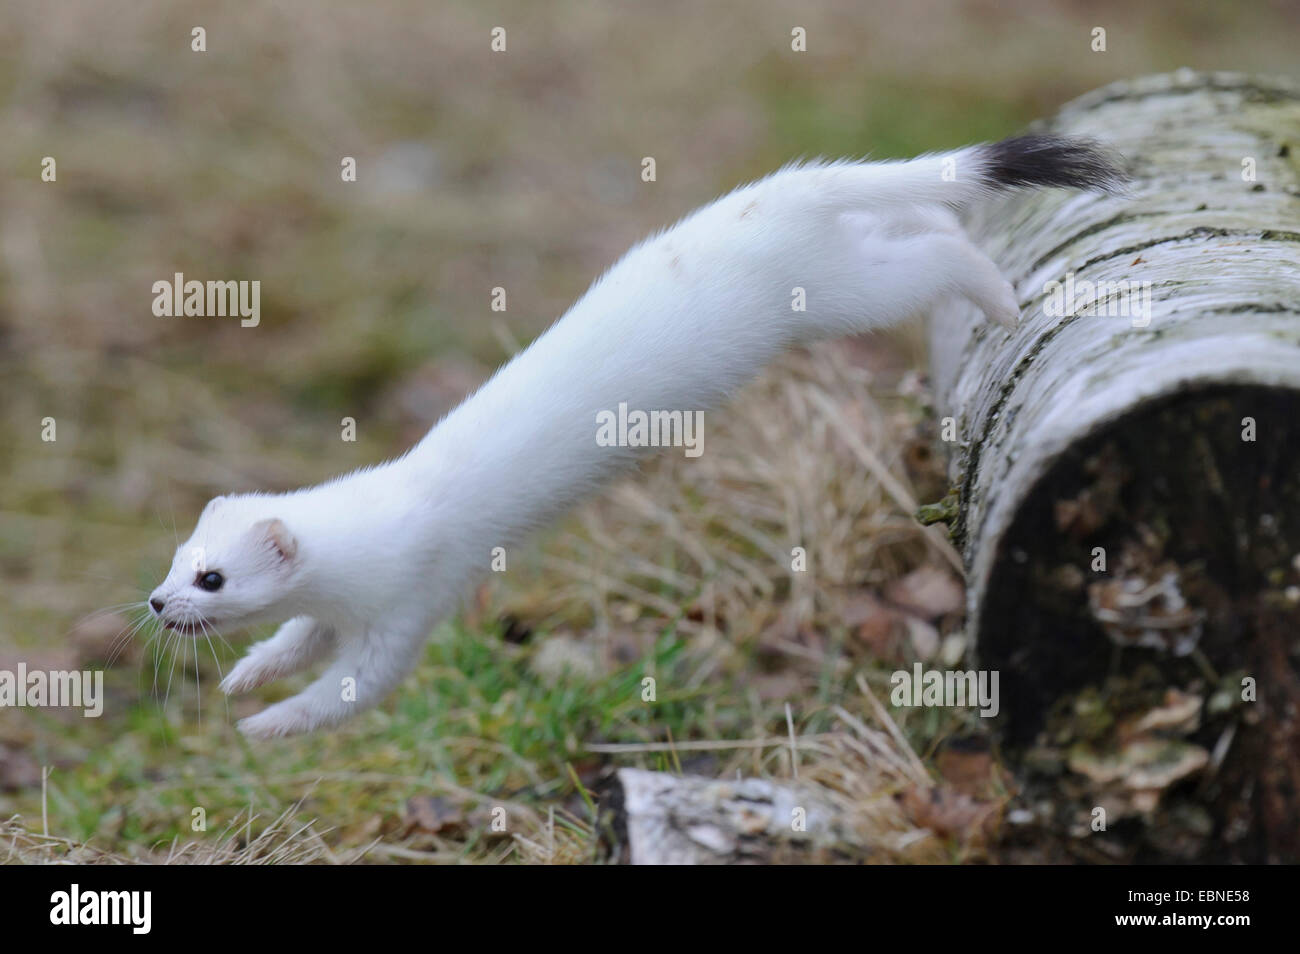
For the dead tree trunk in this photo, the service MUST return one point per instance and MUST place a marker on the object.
(1128, 464)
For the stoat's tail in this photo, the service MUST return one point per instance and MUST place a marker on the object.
(1039, 160)
(957, 179)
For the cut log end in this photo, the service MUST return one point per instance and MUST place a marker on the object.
(1156, 566)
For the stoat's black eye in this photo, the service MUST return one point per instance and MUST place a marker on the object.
(211, 581)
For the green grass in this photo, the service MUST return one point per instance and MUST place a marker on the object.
(475, 714)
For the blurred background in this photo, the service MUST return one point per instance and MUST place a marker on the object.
(475, 169)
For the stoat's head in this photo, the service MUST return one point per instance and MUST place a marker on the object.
(236, 568)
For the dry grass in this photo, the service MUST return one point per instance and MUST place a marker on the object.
(281, 841)
(707, 544)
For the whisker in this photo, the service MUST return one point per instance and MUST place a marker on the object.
(171, 505)
(198, 683)
(229, 648)
(102, 612)
(207, 634)
(171, 670)
(162, 639)
(220, 674)
(151, 641)
(124, 638)
(105, 611)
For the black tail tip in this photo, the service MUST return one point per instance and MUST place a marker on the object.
(1042, 160)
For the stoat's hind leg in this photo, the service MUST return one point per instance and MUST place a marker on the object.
(295, 646)
(368, 667)
(904, 265)
(973, 276)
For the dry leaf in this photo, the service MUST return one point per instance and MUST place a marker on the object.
(929, 592)
(433, 814)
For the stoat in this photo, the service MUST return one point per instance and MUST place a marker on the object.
(363, 566)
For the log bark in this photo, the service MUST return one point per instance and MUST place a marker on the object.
(1129, 489)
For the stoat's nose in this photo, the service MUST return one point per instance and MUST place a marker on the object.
(157, 604)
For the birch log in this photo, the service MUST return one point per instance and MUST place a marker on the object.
(1129, 474)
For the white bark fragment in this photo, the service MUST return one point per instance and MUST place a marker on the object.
(674, 820)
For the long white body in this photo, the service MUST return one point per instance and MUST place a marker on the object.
(363, 566)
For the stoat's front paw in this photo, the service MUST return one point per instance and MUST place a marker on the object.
(295, 645)
(257, 668)
(316, 707)
(290, 717)
(329, 700)
(365, 669)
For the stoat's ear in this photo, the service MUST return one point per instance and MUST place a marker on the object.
(276, 535)
(212, 504)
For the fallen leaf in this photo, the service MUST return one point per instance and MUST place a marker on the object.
(877, 625)
(970, 773)
(949, 813)
(923, 637)
(929, 592)
(433, 814)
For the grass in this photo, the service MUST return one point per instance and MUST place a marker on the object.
(657, 580)
(485, 726)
